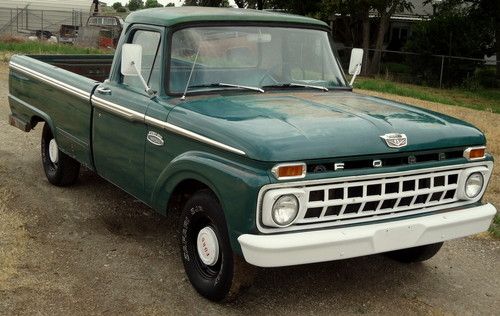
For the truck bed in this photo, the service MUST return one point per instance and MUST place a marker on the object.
(96, 67)
(57, 89)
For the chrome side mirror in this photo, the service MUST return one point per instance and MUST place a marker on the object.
(131, 64)
(355, 63)
(131, 59)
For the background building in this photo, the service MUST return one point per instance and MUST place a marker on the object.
(29, 16)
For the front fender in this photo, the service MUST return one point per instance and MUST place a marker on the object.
(236, 184)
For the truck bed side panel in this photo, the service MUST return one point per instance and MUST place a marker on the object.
(62, 98)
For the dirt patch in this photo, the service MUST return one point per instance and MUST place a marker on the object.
(13, 239)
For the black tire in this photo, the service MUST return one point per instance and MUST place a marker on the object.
(415, 254)
(230, 274)
(63, 173)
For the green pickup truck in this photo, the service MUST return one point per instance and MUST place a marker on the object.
(244, 122)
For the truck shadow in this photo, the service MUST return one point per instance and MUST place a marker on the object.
(360, 280)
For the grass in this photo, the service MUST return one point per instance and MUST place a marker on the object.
(34, 47)
(495, 226)
(8, 47)
(482, 99)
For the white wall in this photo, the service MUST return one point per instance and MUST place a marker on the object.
(55, 13)
(62, 5)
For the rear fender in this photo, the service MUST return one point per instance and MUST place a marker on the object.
(27, 114)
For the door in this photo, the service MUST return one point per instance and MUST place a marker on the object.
(120, 104)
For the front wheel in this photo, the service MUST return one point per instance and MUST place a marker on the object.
(212, 268)
(60, 169)
(415, 254)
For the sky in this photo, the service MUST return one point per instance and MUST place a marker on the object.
(164, 2)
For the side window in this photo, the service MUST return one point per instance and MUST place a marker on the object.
(150, 42)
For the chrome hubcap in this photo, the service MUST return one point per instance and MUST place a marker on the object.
(208, 246)
(53, 151)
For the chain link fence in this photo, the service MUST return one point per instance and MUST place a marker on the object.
(431, 70)
(26, 21)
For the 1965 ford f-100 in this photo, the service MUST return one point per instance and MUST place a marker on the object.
(243, 120)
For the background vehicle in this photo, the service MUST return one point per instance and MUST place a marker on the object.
(100, 31)
(244, 121)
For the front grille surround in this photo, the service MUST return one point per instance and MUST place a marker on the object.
(359, 199)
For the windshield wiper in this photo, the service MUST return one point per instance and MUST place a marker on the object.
(293, 84)
(222, 84)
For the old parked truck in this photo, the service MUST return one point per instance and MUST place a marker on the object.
(244, 122)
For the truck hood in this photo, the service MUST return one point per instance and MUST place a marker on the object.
(284, 126)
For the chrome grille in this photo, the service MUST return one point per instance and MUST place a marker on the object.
(373, 197)
(346, 200)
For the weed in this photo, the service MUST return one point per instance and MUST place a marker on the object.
(495, 226)
(14, 46)
(479, 99)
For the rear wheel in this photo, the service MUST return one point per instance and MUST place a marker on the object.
(60, 169)
(415, 254)
(212, 268)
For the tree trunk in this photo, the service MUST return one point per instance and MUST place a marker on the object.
(260, 4)
(240, 3)
(497, 38)
(377, 55)
(366, 42)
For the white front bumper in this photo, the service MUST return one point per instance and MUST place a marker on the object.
(340, 243)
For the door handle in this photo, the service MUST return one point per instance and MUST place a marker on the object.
(104, 90)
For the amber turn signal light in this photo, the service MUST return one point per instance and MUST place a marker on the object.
(289, 171)
(475, 153)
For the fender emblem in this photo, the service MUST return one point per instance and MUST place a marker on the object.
(395, 140)
(155, 138)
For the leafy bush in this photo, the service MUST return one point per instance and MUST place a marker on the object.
(471, 84)
(486, 77)
(397, 68)
(456, 32)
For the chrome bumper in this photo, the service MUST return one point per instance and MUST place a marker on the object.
(341, 243)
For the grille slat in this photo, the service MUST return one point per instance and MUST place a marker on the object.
(347, 200)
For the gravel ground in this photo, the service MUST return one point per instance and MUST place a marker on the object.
(92, 249)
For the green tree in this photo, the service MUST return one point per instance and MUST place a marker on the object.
(207, 3)
(170, 4)
(353, 24)
(134, 5)
(458, 28)
(152, 4)
(293, 6)
(117, 5)
(385, 9)
(356, 13)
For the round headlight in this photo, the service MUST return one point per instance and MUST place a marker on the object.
(285, 210)
(474, 184)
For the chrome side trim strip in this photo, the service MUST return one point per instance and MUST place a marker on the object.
(119, 110)
(132, 115)
(192, 135)
(51, 81)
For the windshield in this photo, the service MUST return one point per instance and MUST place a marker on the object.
(208, 58)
